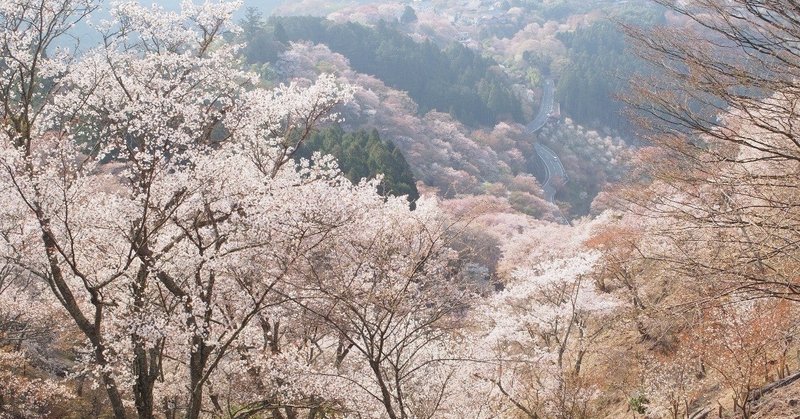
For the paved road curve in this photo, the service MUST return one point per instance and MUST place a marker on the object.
(552, 164)
(553, 169)
(545, 109)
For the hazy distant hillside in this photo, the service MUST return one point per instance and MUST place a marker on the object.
(191, 227)
(456, 79)
(266, 6)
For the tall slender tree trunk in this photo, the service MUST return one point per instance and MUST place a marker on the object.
(197, 363)
(386, 395)
(145, 362)
(113, 396)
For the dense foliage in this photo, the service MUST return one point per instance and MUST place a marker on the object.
(456, 79)
(264, 44)
(599, 69)
(363, 155)
(593, 161)
(166, 252)
(203, 267)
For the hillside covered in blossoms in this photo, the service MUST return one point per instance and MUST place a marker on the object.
(399, 209)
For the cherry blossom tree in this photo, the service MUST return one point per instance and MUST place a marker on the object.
(543, 325)
(152, 191)
(390, 300)
(155, 193)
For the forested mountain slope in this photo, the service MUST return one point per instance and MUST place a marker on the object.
(364, 155)
(455, 80)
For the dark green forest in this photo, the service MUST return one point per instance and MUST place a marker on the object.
(601, 66)
(599, 69)
(363, 154)
(456, 79)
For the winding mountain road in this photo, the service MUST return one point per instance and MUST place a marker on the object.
(553, 170)
(545, 108)
(552, 164)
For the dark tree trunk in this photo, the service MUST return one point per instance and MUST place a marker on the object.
(197, 364)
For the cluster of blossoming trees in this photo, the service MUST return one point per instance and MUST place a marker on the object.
(153, 208)
(164, 254)
(150, 195)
